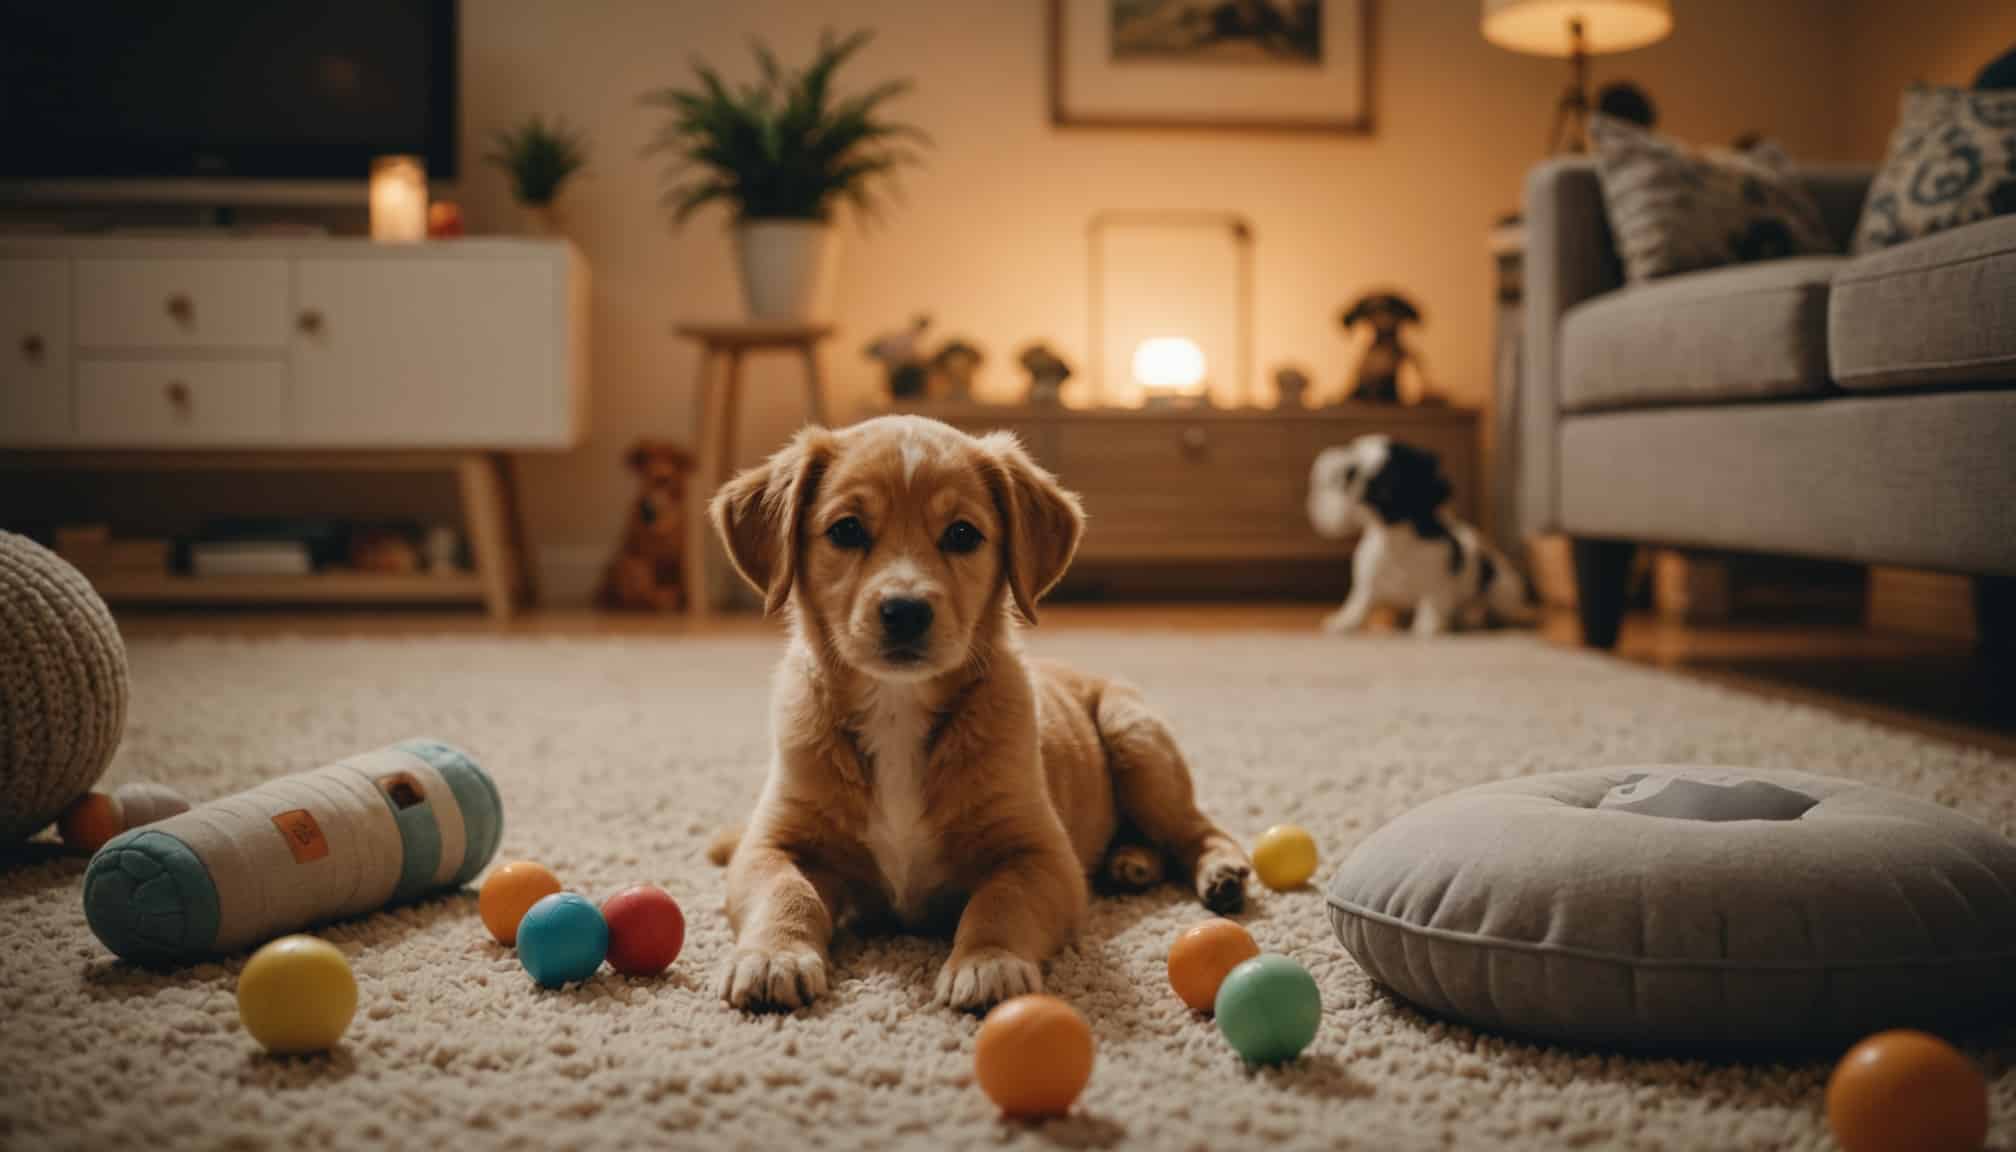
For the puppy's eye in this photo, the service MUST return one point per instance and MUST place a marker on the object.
(1350, 474)
(848, 533)
(960, 538)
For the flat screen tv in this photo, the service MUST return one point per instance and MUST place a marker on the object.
(116, 91)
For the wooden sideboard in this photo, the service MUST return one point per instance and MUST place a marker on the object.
(1212, 500)
(247, 353)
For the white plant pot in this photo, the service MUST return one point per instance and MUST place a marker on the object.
(788, 268)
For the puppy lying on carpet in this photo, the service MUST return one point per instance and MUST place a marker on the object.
(926, 769)
(1411, 556)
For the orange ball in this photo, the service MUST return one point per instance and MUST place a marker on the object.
(90, 822)
(509, 892)
(1201, 957)
(1033, 1056)
(1905, 1091)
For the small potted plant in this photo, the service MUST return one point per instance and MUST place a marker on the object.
(781, 153)
(539, 158)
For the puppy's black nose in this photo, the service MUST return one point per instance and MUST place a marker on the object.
(904, 619)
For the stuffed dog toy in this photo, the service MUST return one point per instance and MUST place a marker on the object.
(1411, 556)
(927, 773)
(1379, 371)
(647, 571)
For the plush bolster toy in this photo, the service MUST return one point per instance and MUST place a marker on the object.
(343, 840)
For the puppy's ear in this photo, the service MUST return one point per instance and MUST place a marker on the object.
(760, 514)
(1409, 487)
(1041, 522)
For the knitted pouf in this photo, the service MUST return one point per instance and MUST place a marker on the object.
(62, 686)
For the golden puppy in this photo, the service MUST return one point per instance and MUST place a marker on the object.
(924, 767)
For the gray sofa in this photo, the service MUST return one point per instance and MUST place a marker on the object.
(1860, 409)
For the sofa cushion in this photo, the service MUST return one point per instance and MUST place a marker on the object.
(1673, 209)
(1952, 161)
(1938, 312)
(1752, 332)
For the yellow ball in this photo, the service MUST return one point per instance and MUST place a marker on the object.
(1285, 857)
(297, 995)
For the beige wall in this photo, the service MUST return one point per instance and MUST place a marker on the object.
(1897, 43)
(991, 236)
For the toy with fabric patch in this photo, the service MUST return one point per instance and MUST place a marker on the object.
(381, 828)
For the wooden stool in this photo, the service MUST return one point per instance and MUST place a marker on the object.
(716, 397)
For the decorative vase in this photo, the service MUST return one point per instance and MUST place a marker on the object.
(787, 268)
(541, 219)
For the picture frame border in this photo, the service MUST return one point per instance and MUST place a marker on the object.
(1361, 125)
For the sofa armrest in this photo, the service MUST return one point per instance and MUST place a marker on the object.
(1569, 258)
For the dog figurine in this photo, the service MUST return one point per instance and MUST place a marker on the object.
(647, 572)
(1411, 556)
(927, 773)
(1379, 369)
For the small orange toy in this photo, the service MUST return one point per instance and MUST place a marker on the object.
(508, 892)
(90, 822)
(1033, 1056)
(97, 817)
(1905, 1091)
(1201, 957)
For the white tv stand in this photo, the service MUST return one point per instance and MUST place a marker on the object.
(233, 351)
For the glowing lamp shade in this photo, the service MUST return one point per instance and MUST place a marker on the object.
(1547, 27)
(1169, 366)
(398, 199)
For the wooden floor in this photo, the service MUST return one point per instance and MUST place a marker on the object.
(1933, 686)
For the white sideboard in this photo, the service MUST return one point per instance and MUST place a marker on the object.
(136, 351)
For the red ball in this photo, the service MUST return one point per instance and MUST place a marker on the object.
(646, 930)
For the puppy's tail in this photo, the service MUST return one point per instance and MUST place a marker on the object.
(722, 848)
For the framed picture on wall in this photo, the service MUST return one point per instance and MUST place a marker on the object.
(1262, 65)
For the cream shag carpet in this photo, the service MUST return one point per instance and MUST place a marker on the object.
(618, 759)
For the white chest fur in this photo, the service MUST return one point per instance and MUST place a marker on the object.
(893, 733)
(1407, 567)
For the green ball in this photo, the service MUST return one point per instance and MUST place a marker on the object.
(1269, 1008)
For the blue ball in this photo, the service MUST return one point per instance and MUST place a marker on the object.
(1268, 1008)
(561, 939)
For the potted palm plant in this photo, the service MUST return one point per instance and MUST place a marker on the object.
(782, 153)
(539, 158)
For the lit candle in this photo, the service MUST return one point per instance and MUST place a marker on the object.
(398, 199)
(1169, 368)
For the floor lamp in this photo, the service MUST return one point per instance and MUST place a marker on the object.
(1576, 29)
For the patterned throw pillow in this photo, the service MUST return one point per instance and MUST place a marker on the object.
(1675, 210)
(1952, 161)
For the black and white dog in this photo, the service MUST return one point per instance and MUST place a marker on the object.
(1411, 556)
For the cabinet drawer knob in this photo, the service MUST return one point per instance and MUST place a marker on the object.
(179, 397)
(32, 348)
(1195, 441)
(310, 321)
(182, 308)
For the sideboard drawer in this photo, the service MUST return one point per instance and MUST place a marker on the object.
(35, 398)
(180, 403)
(185, 302)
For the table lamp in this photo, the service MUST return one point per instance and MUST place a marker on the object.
(1576, 29)
(1170, 370)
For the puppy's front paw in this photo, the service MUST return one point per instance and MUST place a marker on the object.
(985, 977)
(1221, 883)
(1340, 622)
(754, 978)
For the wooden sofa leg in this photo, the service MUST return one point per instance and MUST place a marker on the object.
(1602, 585)
(1995, 617)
